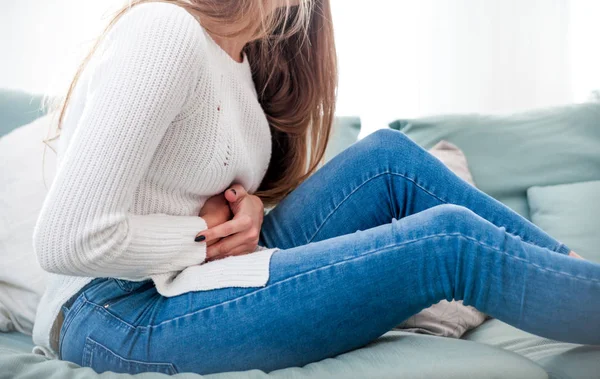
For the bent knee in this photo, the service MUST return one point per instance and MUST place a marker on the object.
(452, 217)
(388, 143)
(385, 138)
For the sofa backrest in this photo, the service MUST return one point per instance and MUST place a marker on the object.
(18, 108)
(509, 154)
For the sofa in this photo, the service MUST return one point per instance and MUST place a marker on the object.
(519, 159)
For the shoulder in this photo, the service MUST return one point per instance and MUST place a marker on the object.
(164, 27)
(152, 48)
(159, 13)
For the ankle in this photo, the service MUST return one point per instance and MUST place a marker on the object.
(574, 254)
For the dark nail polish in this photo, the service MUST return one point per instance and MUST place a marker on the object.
(199, 238)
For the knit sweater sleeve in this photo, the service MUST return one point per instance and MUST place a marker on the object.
(148, 69)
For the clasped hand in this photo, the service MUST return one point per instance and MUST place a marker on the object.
(234, 219)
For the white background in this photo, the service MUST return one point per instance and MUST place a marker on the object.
(397, 58)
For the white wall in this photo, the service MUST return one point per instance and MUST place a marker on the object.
(41, 41)
(405, 58)
(584, 34)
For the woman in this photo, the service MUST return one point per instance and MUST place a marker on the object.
(187, 119)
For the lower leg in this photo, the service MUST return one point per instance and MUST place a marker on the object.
(457, 255)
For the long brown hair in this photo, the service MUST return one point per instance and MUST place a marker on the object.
(294, 67)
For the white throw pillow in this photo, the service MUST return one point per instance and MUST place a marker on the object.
(447, 319)
(22, 193)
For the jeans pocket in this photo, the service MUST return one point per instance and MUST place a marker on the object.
(99, 358)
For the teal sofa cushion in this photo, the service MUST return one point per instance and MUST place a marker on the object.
(396, 354)
(561, 360)
(571, 214)
(18, 108)
(344, 133)
(508, 154)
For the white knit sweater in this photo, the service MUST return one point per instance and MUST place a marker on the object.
(161, 119)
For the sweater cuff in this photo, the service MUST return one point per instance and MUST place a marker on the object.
(166, 242)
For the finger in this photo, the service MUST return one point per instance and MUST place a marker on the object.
(227, 244)
(209, 243)
(235, 192)
(235, 225)
(249, 244)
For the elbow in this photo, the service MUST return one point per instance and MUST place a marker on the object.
(46, 252)
(50, 250)
(41, 242)
(79, 249)
(62, 250)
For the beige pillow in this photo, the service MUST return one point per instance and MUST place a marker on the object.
(447, 319)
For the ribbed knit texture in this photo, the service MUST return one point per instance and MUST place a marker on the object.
(161, 119)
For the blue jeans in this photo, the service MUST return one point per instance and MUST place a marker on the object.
(380, 232)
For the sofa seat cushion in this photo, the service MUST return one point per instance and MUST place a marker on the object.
(560, 359)
(396, 354)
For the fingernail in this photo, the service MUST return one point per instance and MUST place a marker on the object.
(233, 190)
(200, 238)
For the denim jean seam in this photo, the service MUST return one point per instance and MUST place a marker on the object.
(361, 185)
(381, 249)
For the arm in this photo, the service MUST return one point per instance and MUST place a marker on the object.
(140, 84)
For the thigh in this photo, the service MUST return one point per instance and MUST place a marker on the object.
(358, 189)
